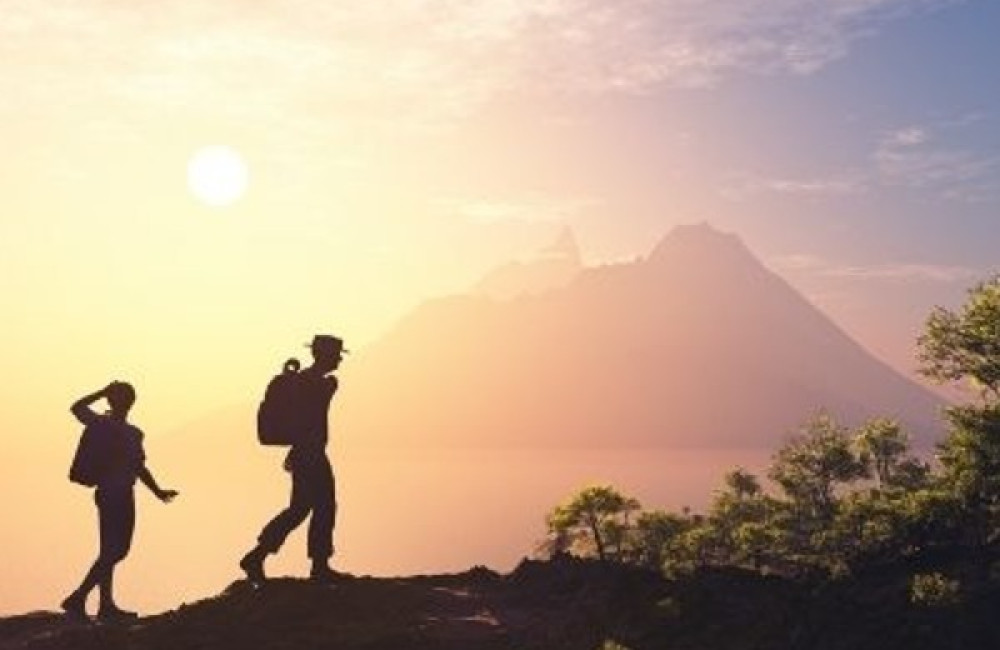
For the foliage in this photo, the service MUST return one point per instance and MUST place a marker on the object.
(594, 520)
(742, 483)
(965, 344)
(612, 645)
(654, 534)
(970, 458)
(934, 590)
(882, 444)
(846, 500)
(819, 522)
(810, 466)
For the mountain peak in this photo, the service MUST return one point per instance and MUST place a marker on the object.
(707, 252)
(698, 239)
(564, 248)
(551, 267)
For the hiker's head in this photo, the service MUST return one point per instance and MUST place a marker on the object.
(327, 351)
(121, 396)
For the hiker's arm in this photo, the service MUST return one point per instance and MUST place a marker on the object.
(147, 479)
(81, 407)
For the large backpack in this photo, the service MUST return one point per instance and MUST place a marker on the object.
(93, 453)
(280, 414)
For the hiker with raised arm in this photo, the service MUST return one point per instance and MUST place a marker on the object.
(294, 413)
(110, 457)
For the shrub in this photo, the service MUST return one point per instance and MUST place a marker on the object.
(934, 590)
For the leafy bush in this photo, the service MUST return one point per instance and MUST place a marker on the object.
(934, 590)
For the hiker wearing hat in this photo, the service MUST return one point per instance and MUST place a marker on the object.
(313, 491)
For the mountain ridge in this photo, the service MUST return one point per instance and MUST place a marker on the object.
(638, 353)
(553, 266)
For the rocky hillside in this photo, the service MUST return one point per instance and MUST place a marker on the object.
(564, 604)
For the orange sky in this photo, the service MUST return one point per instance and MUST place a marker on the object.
(399, 151)
(395, 153)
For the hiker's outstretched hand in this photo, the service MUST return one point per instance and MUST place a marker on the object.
(166, 496)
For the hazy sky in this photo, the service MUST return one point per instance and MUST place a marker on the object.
(400, 149)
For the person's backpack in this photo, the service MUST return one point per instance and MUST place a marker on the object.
(93, 452)
(279, 416)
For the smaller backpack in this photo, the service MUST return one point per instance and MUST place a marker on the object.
(279, 416)
(92, 455)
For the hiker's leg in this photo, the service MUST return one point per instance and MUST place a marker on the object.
(95, 574)
(274, 533)
(99, 569)
(324, 510)
(78, 598)
(117, 527)
(107, 588)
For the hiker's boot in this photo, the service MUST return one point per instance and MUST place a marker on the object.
(321, 573)
(114, 614)
(75, 607)
(253, 565)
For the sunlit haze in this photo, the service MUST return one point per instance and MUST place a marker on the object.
(192, 190)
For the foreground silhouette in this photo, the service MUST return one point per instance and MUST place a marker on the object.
(295, 412)
(563, 604)
(110, 458)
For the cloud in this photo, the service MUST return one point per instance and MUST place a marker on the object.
(799, 262)
(537, 209)
(908, 137)
(634, 44)
(801, 187)
(417, 63)
(899, 272)
(914, 157)
(926, 272)
(941, 159)
(936, 158)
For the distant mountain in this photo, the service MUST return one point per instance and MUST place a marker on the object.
(554, 266)
(696, 345)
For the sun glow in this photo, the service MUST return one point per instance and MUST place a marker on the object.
(217, 175)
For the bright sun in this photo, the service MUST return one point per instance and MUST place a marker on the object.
(217, 175)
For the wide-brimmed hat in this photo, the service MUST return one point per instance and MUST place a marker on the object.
(327, 343)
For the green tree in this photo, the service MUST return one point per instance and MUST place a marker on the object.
(756, 543)
(911, 474)
(868, 526)
(812, 470)
(970, 458)
(742, 484)
(654, 535)
(883, 446)
(739, 518)
(810, 466)
(964, 346)
(695, 547)
(594, 520)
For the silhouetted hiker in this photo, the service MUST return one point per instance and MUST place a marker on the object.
(110, 457)
(313, 490)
